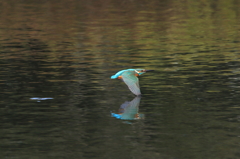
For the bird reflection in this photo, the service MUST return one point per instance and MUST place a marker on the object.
(129, 110)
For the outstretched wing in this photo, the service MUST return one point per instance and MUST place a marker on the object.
(131, 81)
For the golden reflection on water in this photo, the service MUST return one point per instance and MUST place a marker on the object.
(67, 50)
(180, 31)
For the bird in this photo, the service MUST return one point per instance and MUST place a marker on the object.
(129, 110)
(129, 76)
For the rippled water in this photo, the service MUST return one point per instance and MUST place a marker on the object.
(58, 101)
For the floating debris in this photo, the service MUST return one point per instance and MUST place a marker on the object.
(39, 99)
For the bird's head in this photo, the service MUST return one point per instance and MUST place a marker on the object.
(142, 71)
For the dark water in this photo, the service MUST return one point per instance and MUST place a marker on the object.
(57, 96)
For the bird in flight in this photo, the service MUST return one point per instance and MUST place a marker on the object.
(130, 78)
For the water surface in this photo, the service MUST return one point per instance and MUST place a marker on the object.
(57, 96)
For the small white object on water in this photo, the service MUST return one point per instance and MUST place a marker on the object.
(39, 99)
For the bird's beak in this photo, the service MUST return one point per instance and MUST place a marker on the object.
(148, 70)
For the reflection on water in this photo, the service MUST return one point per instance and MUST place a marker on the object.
(62, 53)
(129, 110)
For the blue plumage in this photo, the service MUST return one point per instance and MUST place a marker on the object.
(129, 77)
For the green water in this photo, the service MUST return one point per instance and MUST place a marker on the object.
(57, 96)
